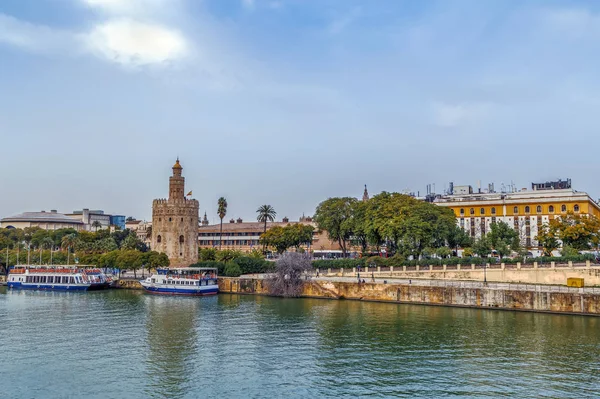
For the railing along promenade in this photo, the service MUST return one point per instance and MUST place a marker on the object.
(530, 273)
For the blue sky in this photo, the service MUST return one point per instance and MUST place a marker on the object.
(288, 102)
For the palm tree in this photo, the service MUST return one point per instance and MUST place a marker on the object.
(96, 224)
(266, 213)
(69, 241)
(221, 211)
(48, 243)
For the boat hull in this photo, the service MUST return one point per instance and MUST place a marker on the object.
(48, 287)
(180, 291)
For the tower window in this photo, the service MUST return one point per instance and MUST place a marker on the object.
(182, 219)
(160, 219)
(563, 208)
(170, 219)
(539, 209)
(158, 239)
(181, 239)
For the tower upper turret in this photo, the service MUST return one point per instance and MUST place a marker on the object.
(177, 183)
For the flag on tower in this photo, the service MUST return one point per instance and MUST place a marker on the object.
(189, 194)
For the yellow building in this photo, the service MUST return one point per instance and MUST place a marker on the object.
(525, 210)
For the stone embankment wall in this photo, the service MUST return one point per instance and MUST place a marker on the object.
(527, 298)
(526, 274)
(131, 284)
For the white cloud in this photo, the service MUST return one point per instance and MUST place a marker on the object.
(341, 22)
(134, 43)
(129, 7)
(452, 115)
(32, 37)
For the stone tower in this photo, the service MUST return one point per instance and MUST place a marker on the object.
(175, 223)
(365, 197)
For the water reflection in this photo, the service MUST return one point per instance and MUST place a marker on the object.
(171, 341)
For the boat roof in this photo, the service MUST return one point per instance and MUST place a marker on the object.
(189, 268)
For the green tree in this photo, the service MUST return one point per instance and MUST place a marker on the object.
(482, 247)
(335, 216)
(205, 254)
(128, 259)
(232, 269)
(266, 213)
(158, 260)
(443, 252)
(358, 225)
(221, 211)
(69, 242)
(503, 239)
(96, 225)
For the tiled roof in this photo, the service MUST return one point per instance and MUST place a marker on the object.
(50, 217)
(244, 226)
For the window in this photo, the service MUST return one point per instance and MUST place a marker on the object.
(170, 219)
(516, 210)
(563, 208)
(551, 209)
(538, 209)
(158, 239)
(527, 209)
(576, 208)
(472, 211)
(482, 211)
(462, 211)
(182, 219)
(493, 211)
(181, 239)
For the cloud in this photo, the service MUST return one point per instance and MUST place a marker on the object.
(571, 21)
(32, 37)
(343, 21)
(452, 115)
(129, 7)
(133, 43)
(248, 3)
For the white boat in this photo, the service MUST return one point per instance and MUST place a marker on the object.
(182, 281)
(56, 278)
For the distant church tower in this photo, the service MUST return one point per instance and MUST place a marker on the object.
(365, 195)
(175, 223)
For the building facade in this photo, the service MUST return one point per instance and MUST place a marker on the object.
(245, 236)
(175, 222)
(45, 220)
(524, 210)
(90, 217)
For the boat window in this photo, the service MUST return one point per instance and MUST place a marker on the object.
(153, 281)
(71, 280)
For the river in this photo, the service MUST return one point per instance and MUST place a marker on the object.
(124, 344)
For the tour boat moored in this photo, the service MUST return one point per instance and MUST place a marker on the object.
(182, 281)
(58, 278)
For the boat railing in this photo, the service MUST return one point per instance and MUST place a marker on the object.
(192, 276)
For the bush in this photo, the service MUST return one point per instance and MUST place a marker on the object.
(232, 269)
(220, 266)
(250, 265)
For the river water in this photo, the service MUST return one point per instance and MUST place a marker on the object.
(124, 344)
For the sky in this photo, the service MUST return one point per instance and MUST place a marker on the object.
(289, 102)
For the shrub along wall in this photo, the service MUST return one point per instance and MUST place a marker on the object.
(398, 262)
(238, 266)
